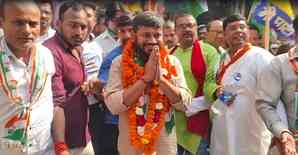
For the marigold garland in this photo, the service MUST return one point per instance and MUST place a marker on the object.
(155, 116)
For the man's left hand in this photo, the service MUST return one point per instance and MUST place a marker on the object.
(159, 74)
(288, 145)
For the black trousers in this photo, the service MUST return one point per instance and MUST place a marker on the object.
(104, 137)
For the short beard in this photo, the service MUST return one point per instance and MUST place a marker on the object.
(140, 53)
(124, 41)
(170, 44)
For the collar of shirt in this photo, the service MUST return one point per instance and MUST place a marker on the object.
(9, 53)
(91, 37)
(108, 33)
(67, 47)
(173, 49)
(6, 49)
(112, 33)
(51, 32)
(180, 49)
(221, 50)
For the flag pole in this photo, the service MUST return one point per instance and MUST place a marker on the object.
(152, 5)
(267, 27)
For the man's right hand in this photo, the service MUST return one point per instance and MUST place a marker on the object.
(93, 86)
(218, 92)
(65, 153)
(151, 67)
(288, 146)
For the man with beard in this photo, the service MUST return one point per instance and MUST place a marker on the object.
(169, 36)
(71, 104)
(237, 127)
(103, 125)
(145, 84)
(199, 62)
(25, 87)
(46, 19)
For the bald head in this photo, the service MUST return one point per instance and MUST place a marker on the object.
(20, 23)
(5, 6)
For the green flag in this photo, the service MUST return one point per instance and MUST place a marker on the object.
(194, 7)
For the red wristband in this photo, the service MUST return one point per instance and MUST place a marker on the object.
(60, 147)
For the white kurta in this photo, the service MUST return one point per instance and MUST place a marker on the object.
(167, 143)
(239, 130)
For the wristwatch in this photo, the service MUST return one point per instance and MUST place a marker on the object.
(145, 81)
(287, 131)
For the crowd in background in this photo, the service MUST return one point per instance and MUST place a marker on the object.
(83, 77)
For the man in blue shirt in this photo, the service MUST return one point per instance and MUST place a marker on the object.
(103, 123)
(124, 33)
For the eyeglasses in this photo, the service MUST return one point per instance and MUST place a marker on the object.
(186, 25)
(217, 32)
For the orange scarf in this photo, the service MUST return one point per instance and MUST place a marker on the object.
(223, 68)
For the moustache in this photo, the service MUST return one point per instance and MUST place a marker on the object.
(151, 44)
(187, 33)
(77, 38)
(169, 42)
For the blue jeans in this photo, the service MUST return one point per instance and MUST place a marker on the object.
(203, 149)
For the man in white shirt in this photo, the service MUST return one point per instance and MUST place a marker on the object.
(25, 91)
(100, 25)
(46, 31)
(237, 127)
(108, 40)
(1, 31)
(91, 9)
(92, 52)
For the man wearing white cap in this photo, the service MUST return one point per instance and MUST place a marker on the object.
(279, 81)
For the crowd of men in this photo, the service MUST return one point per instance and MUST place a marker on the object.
(109, 82)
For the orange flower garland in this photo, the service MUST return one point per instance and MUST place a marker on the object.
(131, 73)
